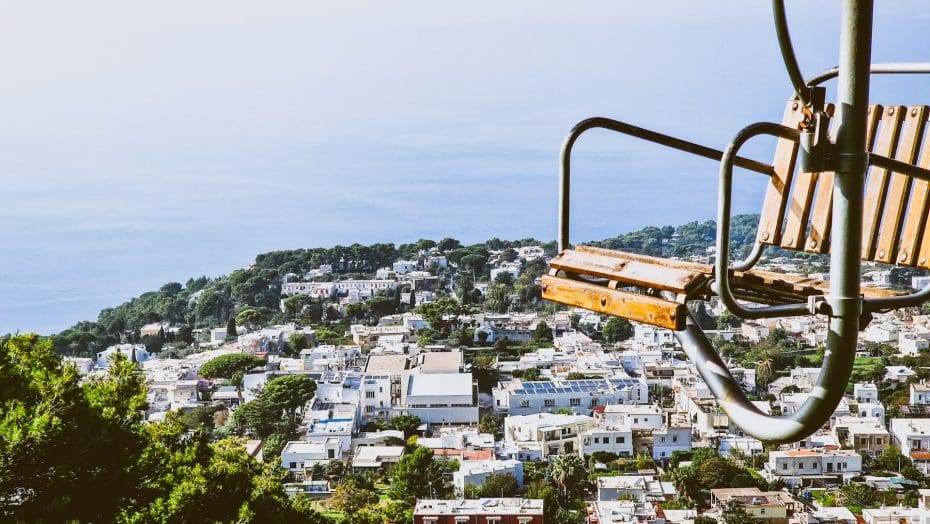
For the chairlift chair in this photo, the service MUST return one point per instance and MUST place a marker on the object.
(850, 180)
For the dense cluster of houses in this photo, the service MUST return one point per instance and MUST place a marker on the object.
(638, 398)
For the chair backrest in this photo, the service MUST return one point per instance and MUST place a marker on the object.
(796, 211)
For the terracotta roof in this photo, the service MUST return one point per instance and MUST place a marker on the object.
(921, 455)
(802, 453)
(465, 454)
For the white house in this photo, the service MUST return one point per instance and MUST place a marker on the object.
(865, 392)
(300, 455)
(609, 438)
(912, 435)
(919, 394)
(669, 439)
(578, 396)
(637, 416)
(402, 267)
(476, 471)
(799, 467)
(556, 434)
(641, 488)
(134, 352)
(440, 398)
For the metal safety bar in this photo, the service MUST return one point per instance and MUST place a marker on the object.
(721, 284)
(802, 89)
(893, 68)
(844, 293)
(637, 132)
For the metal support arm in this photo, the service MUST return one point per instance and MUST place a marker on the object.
(637, 132)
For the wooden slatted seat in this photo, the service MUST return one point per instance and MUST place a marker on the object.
(795, 215)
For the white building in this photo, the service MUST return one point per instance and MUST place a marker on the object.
(913, 437)
(476, 471)
(440, 398)
(578, 396)
(799, 467)
(919, 394)
(133, 352)
(556, 434)
(300, 455)
(608, 438)
(637, 416)
(402, 267)
(865, 392)
(669, 439)
(641, 488)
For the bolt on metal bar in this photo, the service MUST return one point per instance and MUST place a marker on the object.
(637, 132)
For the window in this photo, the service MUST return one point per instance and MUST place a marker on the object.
(575, 402)
(663, 439)
(784, 465)
(674, 438)
(524, 403)
(369, 394)
(761, 511)
(635, 421)
(493, 520)
(593, 402)
(369, 409)
(620, 440)
(331, 453)
(550, 402)
(597, 440)
(293, 465)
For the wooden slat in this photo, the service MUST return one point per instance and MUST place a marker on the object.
(640, 308)
(877, 183)
(818, 237)
(799, 207)
(653, 274)
(898, 189)
(923, 256)
(669, 262)
(915, 220)
(773, 208)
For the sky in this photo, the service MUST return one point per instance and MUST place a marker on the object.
(142, 143)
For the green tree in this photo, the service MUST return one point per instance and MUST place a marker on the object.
(617, 330)
(349, 498)
(567, 473)
(418, 475)
(296, 342)
(406, 423)
(232, 367)
(542, 333)
(249, 317)
(231, 328)
(490, 423)
(288, 393)
(531, 375)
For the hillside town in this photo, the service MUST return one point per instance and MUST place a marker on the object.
(441, 385)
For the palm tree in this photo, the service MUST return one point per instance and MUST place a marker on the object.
(764, 372)
(566, 470)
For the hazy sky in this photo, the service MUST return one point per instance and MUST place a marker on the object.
(143, 143)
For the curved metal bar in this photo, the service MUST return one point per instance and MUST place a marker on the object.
(638, 132)
(816, 410)
(887, 303)
(751, 259)
(787, 52)
(721, 266)
(893, 68)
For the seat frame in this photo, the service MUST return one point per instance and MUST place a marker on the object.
(844, 304)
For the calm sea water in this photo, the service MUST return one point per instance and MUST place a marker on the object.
(117, 242)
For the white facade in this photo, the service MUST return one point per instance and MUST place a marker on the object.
(637, 416)
(670, 439)
(919, 394)
(556, 434)
(913, 437)
(300, 455)
(578, 396)
(440, 398)
(865, 393)
(798, 465)
(607, 438)
(476, 471)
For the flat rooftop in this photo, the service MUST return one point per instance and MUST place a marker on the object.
(386, 363)
(494, 506)
(439, 384)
